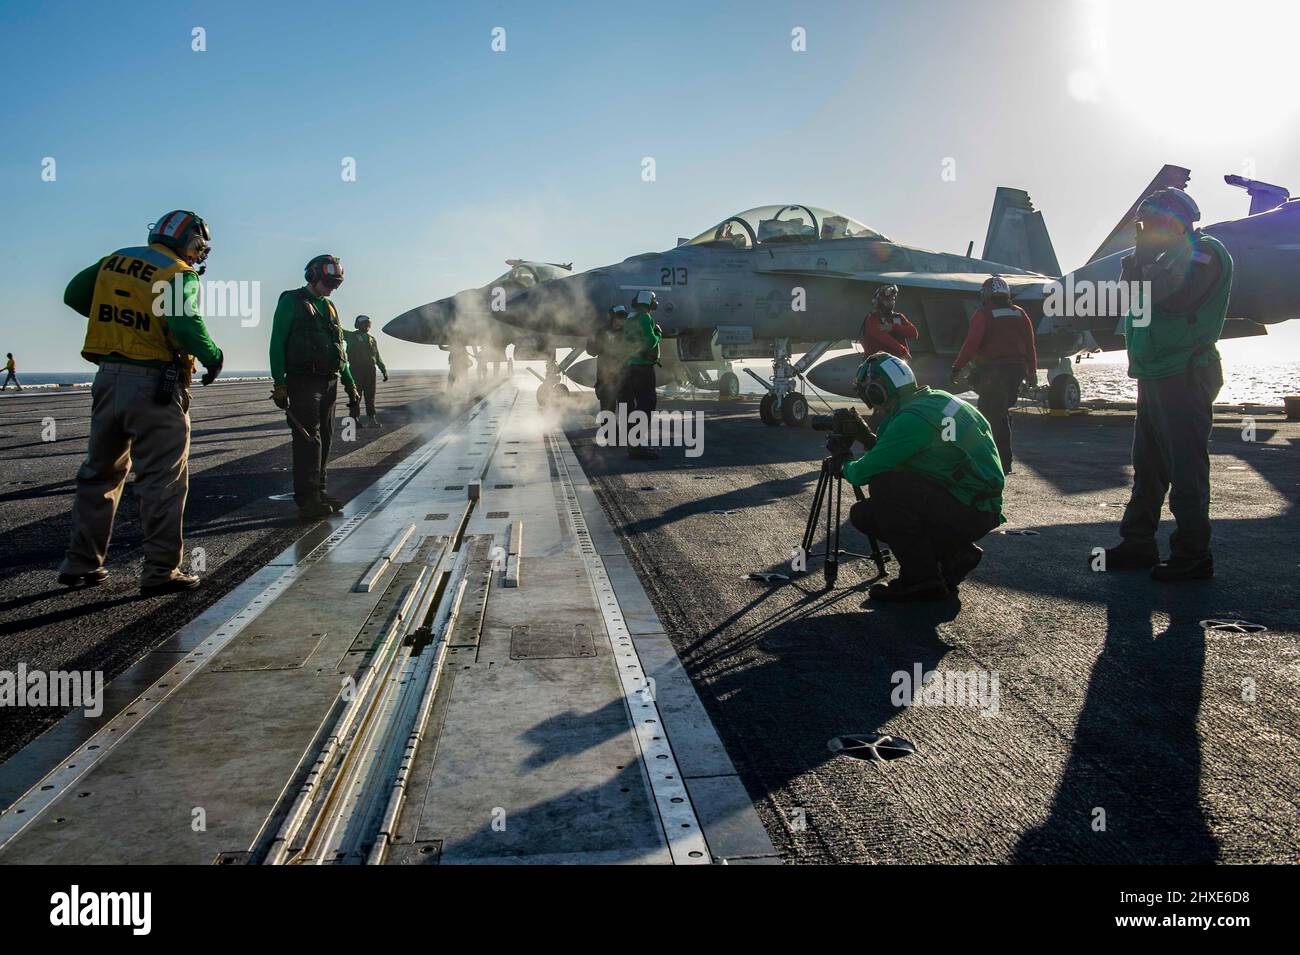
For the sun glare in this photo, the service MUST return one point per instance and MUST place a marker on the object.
(1191, 69)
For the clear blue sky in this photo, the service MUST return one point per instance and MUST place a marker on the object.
(466, 157)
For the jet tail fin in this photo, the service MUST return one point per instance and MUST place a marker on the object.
(1263, 195)
(1122, 236)
(1017, 234)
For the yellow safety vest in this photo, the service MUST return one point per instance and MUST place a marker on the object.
(123, 317)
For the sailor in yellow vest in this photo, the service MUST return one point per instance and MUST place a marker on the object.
(11, 373)
(144, 337)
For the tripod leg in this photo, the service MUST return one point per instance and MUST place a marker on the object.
(832, 566)
(810, 528)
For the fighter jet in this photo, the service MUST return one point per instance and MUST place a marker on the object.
(775, 281)
(770, 283)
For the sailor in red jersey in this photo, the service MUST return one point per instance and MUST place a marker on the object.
(1001, 343)
(885, 329)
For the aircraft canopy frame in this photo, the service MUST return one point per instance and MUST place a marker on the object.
(773, 225)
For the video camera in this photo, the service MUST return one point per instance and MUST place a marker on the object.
(845, 426)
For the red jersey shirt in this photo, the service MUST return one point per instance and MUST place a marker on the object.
(888, 333)
(1000, 333)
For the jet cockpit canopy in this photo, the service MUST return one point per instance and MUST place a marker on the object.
(769, 225)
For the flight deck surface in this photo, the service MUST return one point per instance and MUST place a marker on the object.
(611, 685)
(474, 602)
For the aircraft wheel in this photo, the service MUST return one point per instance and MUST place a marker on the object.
(1063, 393)
(794, 410)
(728, 385)
(548, 394)
(765, 412)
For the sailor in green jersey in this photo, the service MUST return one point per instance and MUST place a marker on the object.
(641, 354)
(1185, 279)
(363, 358)
(606, 345)
(934, 477)
(308, 357)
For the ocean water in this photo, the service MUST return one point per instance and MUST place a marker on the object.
(1252, 382)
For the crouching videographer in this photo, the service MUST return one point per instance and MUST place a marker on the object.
(934, 479)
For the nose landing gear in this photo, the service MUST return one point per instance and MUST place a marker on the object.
(552, 388)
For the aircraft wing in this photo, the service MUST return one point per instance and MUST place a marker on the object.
(947, 281)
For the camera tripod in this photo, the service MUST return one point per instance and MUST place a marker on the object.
(828, 496)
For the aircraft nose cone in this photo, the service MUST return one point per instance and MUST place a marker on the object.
(424, 325)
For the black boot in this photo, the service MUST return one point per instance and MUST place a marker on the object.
(1129, 555)
(1177, 569)
(959, 564)
(92, 579)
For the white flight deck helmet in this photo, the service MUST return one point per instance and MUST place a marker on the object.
(995, 287)
(885, 291)
(645, 299)
(883, 377)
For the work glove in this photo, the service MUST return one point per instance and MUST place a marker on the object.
(858, 429)
(1169, 272)
(210, 372)
(280, 395)
(839, 459)
(954, 375)
(354, 402)
(385, 374)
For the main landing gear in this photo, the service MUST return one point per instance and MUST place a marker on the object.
(784, 403)
(1062, 391)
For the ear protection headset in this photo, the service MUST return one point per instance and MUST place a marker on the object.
(324, 268)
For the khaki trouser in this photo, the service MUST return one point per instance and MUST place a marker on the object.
(363, 373)
(127, 426)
